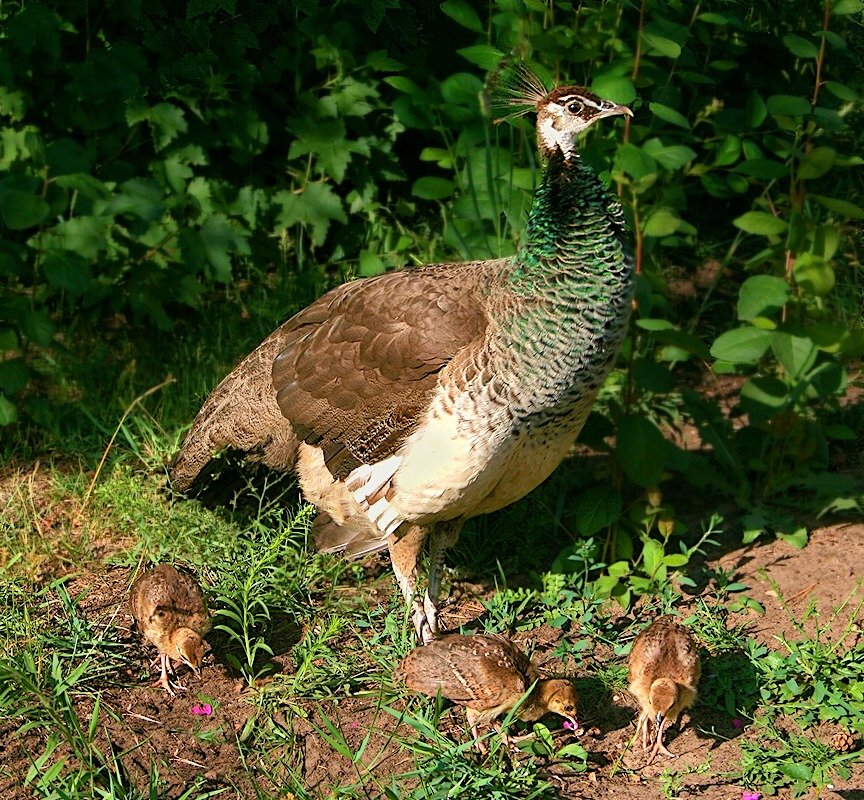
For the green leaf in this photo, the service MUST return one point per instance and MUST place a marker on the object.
(842, 207)
(87, 236)
(631, 160)
(846, 7)
(142, 197)
(617, 88)
(755, 110)
(800, 47)
(403, 84)
(653, 377)
(670, 157)
(370, 263)
(37, 327)
(662, 222)
(597, 508)
(14, 375)
(797, 539)
(816, 163)
(742, 345)
(463, 13)
(797, 354)
(788, 105)
(729, 151)
(762, 397)
(220, 239)
(664, 46)
(760, 222)
(8, 412)
(762, 296)
(641, 450)
(430, 188)
(483, 55)
(652, 556)
(166, 121)
(842, 91)
(315, 207)
(813, 274)
(22, 210)
(669, 115)
(762, 168)
(67, 270)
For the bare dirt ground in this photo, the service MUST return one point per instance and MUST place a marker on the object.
(143, 726)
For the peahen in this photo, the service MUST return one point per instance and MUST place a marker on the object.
(411, 401)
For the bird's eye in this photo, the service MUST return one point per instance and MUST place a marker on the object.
(574, 107)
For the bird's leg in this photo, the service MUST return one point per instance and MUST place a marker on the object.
(404, 553)
(164, 681)
(443, 536)
(658, 743)
(643, 723)
(472, 716)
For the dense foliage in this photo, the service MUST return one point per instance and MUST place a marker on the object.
(148, 151)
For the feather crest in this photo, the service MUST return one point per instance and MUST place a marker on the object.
(512, 90)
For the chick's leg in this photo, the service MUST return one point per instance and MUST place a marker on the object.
(164, 681)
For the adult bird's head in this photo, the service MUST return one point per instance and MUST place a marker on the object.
(562, 113)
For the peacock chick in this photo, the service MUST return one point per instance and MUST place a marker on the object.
(663, 672)
(488, 675)
(171, 613)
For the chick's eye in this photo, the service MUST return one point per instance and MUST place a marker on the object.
(574, 107)
(568, 707)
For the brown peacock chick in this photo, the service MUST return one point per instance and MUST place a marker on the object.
(663, 672)
(488, 675)
(170, 611)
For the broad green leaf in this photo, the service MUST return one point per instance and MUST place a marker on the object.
(798, 772)
(617, 88)
(652, 556)
(662, 222)
(762, 168)
(87, 185)
(634, 162)
(430, 188)
(798, 46)
(67, 270)
(8, 339)
(661, 44)
(142, 197)
(220, 240)
(762, 296)
(8, 415)
(597, 508)
(669, 157)
(842, 207)
(797, 354)
(483, 55)
(755, 110)
(688, 343)
(742, 345)
(760, 222)
(403, 84)
(23, 210)
(166, 121)
(813, 274)
(653, 377)
(797, 539)
(370, 263)
(463, 13)
(762, 397)
(641, 450)
(788, 105)
(462, 88)
(86, 236)
(379, 60)
(841, 90)
(14, 375)
(669, 115)
(845, 7)
(37, 327)
(816, 163)
(315, 207)
(651, 324)
(729, 151)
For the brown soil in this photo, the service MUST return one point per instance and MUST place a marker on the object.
(143, 727)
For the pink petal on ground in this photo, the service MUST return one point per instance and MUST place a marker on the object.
(570, 726)
(737, 723)
(204, 709)
(748, 794)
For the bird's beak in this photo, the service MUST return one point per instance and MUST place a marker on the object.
(614, 111)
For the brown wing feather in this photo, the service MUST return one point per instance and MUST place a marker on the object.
(163, 599)
(476, 671)
(665, 649)
(361, 363)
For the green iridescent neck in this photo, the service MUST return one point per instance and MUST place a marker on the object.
(575, 229)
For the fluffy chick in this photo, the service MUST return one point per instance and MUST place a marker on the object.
(170, 611)
(663, 672)
(488, 675)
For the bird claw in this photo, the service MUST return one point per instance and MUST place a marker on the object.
(425, 619)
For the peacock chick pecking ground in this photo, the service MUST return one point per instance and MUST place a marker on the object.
(663, 671)
(170, 611)
(488, 675)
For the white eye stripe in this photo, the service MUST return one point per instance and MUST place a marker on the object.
(586, 101)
